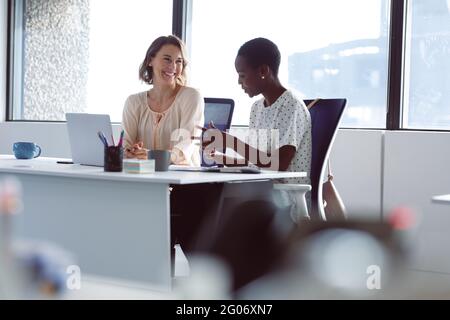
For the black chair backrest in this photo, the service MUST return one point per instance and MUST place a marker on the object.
(220, 111)
(325, 117)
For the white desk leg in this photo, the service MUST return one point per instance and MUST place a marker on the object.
(115, 229)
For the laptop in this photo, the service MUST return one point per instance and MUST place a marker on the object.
(85, 145)
(220, 111)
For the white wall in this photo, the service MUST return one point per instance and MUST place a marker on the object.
(356, 166)
(381, 170)
(416, 168)
(52, 137)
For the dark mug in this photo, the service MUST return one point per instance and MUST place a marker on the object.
(162, 159)
(113, 161)
(26, 150)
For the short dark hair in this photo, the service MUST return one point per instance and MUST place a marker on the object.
(146, 72)
(261, 51)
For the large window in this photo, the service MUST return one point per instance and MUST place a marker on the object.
(382, 55)
(81, 55)
(427, 65)
(329, 49)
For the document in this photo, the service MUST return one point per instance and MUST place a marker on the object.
(239, 169)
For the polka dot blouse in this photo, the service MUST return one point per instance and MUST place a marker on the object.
(285, 122)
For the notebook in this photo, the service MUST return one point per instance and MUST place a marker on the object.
(240, 169)
(85, 146)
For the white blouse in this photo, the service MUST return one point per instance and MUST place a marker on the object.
(166, 130)
(291, 118)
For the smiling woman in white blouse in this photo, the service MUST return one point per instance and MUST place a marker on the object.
(168, 115)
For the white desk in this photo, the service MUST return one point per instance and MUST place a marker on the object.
(117, 224)
(98, 288)
(443, 199)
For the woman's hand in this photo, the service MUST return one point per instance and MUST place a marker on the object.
(177, 157)
(137, 151)
(213, 138)
(222, 159)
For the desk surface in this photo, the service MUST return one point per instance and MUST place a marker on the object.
(444, 199)
(100, 288)
(49, 167)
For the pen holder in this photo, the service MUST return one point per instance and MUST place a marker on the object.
(113, 159)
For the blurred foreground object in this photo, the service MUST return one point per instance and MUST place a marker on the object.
(209, 279)
(28, 269)
(43, 268)
(10, 204)
(336, 260)
(346, 259)
(343, 260)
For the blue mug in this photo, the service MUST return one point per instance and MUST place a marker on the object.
(26, 150)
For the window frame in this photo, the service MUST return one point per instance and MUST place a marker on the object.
(395, 66)
(181, 27)
(14, 69)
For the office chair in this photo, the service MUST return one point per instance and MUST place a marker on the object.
(220, 111)
(325, 117)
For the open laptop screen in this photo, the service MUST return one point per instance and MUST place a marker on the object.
(85, 145)
(220, 111)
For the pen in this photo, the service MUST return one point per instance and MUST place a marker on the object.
(112, 139)
(121, 138)
(64, 162)
(102, 138)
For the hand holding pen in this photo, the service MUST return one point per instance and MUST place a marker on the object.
(137, 151)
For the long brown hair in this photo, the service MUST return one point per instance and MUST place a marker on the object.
(146, 72)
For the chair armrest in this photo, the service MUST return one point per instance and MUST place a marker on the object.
(300, 211)
(292, 187)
